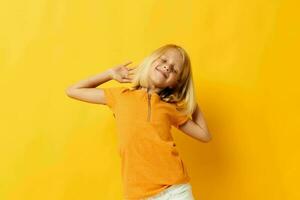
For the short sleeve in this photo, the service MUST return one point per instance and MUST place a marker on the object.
(112, 96)
(178, 118)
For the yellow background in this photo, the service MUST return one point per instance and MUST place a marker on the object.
(245, 59)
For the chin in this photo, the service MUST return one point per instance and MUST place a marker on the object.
(156, 82)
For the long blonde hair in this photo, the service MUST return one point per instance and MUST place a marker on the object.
(183, 94)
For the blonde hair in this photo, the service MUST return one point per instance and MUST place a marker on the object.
(183, 94)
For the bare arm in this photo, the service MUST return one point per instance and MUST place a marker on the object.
(85, 90)
(197, 127)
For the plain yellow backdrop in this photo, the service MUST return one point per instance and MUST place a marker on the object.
(245, 60)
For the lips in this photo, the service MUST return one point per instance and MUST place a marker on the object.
(165, 75)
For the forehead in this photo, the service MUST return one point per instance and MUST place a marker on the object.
(173, 54)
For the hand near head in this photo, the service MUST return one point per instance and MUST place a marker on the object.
(122, 73)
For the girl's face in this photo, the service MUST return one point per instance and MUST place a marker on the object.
(165, 70)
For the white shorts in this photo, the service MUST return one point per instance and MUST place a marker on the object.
(181, 191)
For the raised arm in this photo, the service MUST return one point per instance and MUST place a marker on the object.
(85, 90)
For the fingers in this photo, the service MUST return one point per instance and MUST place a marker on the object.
(131, 73)
(127, 63)
(126, 80)
(132, 68)
(128, 76)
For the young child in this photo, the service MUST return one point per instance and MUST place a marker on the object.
(162, 95)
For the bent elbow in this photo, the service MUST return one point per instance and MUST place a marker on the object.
(68, 92)
(208, 138)
(70, 89)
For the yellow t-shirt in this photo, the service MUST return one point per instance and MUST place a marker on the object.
(149, 159)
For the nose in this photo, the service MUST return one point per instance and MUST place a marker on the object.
(166, 67)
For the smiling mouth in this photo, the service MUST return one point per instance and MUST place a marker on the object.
(162, 73)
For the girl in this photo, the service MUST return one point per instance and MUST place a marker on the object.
(162, 95)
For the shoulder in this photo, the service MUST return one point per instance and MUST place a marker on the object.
(114, 94)
(178, 116)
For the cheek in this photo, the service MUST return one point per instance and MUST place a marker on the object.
(153, 66)
(156, 63)
(153, 71)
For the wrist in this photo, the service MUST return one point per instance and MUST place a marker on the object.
(110, 73)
